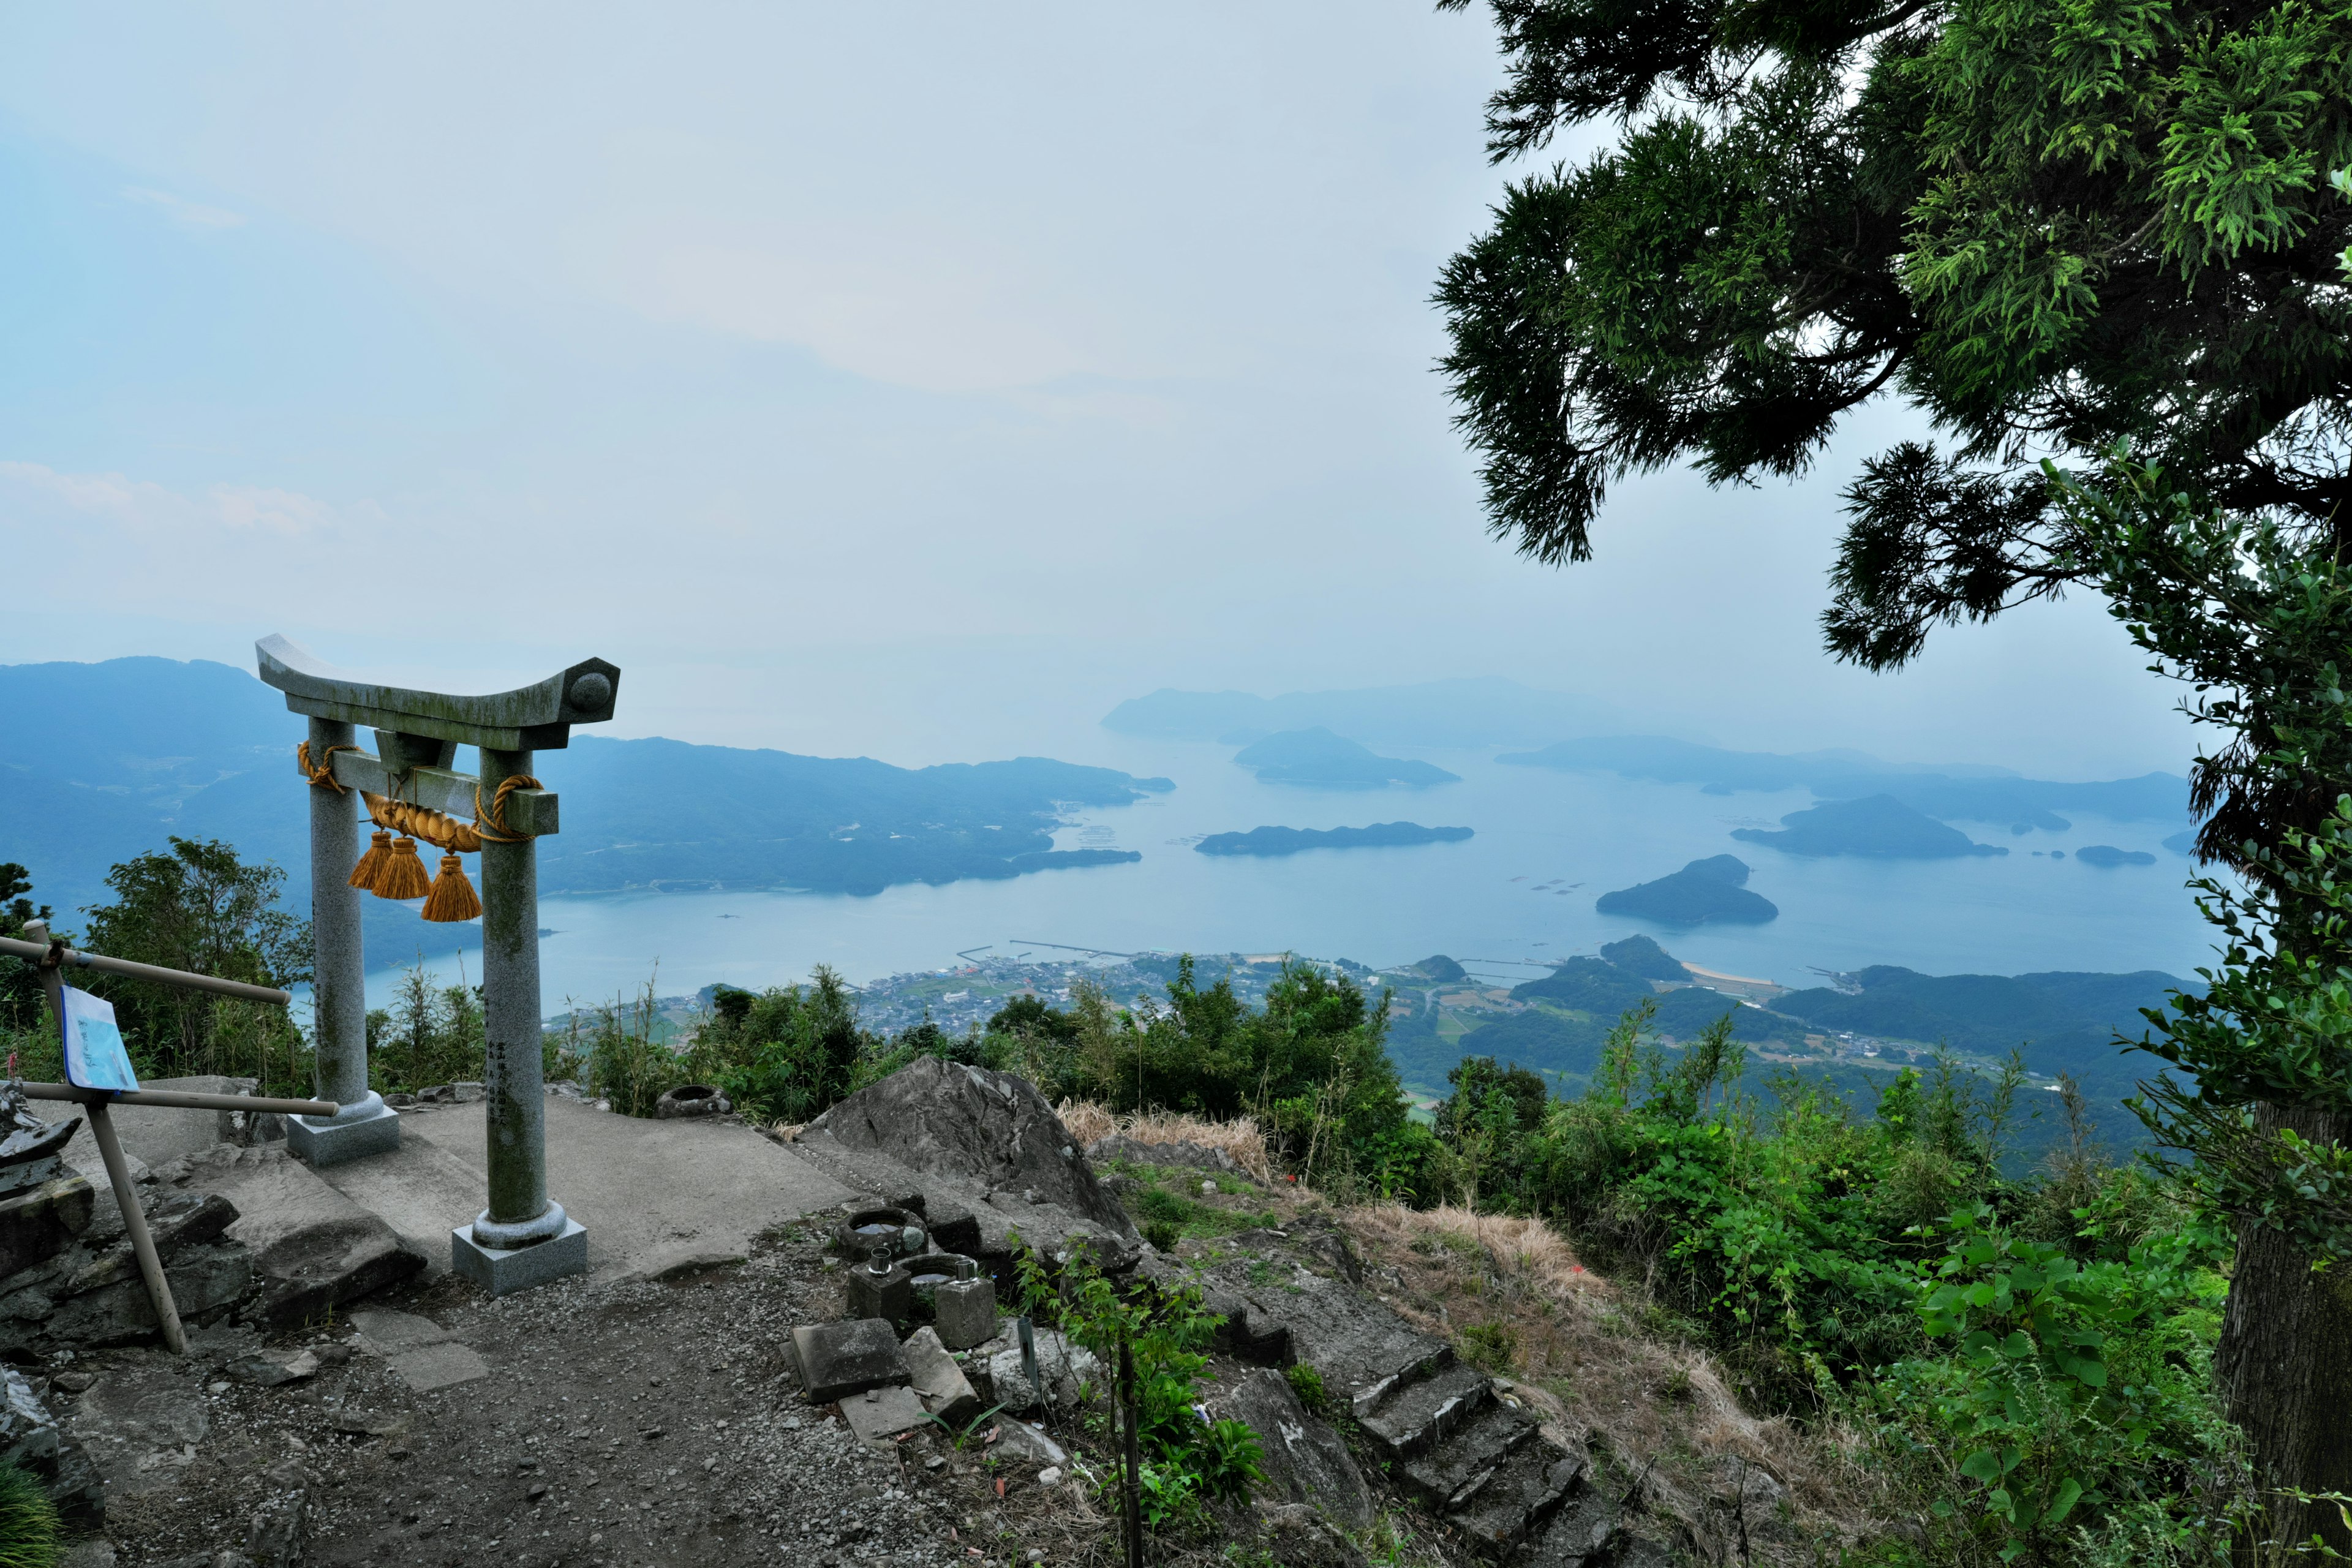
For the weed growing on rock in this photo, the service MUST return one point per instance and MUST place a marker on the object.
(28, 1521)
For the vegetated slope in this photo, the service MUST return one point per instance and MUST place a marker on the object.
(1703, 891)
(1641, 955)
(1943, 791)
(2108, 855)
(1878, 827)
(1317, 756)
(1476, 713)
(1291, 840)
(101, 762)
(2064, 1021)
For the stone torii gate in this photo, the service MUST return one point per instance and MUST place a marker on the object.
(520, 1238)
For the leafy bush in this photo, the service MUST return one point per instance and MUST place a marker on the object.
(1307, 1383)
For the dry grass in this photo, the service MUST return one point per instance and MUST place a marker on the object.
(1511, 1295)
(1240, 1138)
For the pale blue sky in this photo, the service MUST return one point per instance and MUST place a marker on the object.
(914, 380)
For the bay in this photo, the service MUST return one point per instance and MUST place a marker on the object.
(1478, 900)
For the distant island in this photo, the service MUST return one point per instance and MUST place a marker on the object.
(2108, 855)
(1317, 756)
(1703, 891)
(1879, 828)
(1291, 840)
(1480, 711)
(1943, 791)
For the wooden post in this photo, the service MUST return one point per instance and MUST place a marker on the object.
(110, 1149)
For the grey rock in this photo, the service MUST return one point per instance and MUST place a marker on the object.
(692, 1100)
(1063, 1369)
(1302, 1538)
(839, 1359)
(938, 1380)
(142, 1424)
(280, 1535)
(40, 1220)
(1119, 1149)
(31, 1440)
(1305, 1461)
(215, 1274)
(313, 1248)
(945, 1119)
(90, 1552)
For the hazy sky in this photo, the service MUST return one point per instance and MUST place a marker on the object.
(915, 379)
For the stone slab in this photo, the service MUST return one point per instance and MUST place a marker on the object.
(37, 1222)
(313, 1248)
(1305, 1460)
(141, 1424)
(444, 1365)
(322, 1143)
(938, 1379)
(419, 1189)
(1062, 1367)
(836, 1360)
(503, 1271)
(879, 1415)
(649, 1192)
(388, 1332)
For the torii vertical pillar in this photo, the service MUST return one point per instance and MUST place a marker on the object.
(519, 1239)
(523, 1238)
(365, 1125)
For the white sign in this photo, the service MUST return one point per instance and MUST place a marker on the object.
(95, 1057)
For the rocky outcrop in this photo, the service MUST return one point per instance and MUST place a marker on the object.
(1305, 1461)
(30, 1439)
(989, 1129)
(313, 1249)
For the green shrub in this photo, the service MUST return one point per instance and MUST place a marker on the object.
(28, 1521)
(1161, 1234)
(1307, 1383)
(1490, 1347)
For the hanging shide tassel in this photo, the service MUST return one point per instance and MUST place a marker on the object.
(371, 866)
(402, 876)
(453, 896)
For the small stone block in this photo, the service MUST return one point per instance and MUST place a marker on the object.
(882, 1413)
(841, 1358)
(340, 1142)
(966, 1310)
(865, 1294)
(503, 1272)
(937, 1380)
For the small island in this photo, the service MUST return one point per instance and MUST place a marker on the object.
(1877, 827)
(2108, 855)
(1317, 756)
(1703, 891)
(1291, 840)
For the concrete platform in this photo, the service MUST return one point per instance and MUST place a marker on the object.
(654, 1197)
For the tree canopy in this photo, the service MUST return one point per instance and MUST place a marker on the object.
(2056, 229)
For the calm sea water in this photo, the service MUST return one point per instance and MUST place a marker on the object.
(1473, 900)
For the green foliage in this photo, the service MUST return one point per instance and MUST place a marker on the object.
(1187, 1457)
(429, 1034)
(788, 1053)
(199, 908)
(1307, 1383)
(28, 1521)
(2055, 1393)
(2046, 226)
(1491, 1347)
(21, 1003)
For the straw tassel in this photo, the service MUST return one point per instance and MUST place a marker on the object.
(402, 876)
(453, 896)
(371, 866)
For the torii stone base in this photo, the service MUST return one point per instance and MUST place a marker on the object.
(501, 1270)
(371, 1126)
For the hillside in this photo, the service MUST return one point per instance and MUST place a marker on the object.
(1317, 756)
(1291, 840)
(1878, 828)
(101, 762)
